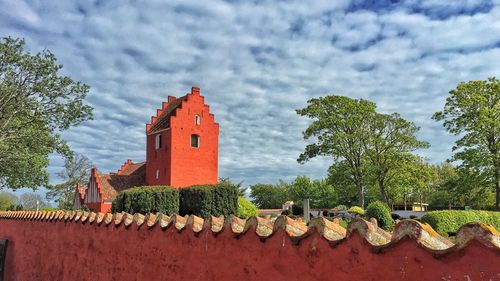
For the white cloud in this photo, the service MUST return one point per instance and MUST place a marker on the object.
(256, 63)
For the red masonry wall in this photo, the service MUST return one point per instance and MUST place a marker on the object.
(69, 250)
(159, 159)
(179, 164)
(191, 166)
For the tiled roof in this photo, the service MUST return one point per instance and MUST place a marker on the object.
(331, 231)
(110, 184)
(130, 168)
(163, 120)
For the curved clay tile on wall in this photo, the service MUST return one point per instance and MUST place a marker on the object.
(296, 230)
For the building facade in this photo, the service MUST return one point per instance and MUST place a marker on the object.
(181, 150)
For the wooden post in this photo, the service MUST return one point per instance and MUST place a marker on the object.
(307, 210)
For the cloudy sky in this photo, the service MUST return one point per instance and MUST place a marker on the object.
(256, 62)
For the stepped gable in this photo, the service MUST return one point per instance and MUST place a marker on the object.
(162, 119)
(80, 191)
(296, 230)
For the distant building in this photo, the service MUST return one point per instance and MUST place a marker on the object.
(182, 142)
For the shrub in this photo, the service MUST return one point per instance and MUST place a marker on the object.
(382, 213)
(148, 199)
(341, 207)
(356, 210)
(207, 200)
(246, 209)
(450, 221)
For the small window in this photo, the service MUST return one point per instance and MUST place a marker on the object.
(195, 141)
(197, 120)
(158, 142)
(157, 174)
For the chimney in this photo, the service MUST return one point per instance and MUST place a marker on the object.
(195, 91)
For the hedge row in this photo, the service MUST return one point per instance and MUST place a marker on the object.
(150, 199)
(445, 222)
(207, 200)
(203, 201)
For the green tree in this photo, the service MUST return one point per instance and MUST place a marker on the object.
(8, 200)
(321, 193)
(444, 192)
(472, 111)
(76, 170)
(412, 180)
(36, 105)
(341, 130)
(339, 175)
(269, 196)
(391, 139)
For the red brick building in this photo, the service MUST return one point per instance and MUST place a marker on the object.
(181, 150)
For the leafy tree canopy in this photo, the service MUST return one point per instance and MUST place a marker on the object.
(269, 196)
(472, 112)
(36, 105)
(364, 144)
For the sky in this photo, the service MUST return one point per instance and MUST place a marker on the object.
(256, 62)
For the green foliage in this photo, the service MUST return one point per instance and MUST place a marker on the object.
(341, 207)
(391, 140)
(36, 105)
(450, 221)
(147, 199)
(340, 129)
(412, 180)
(246, 209)
(366, 146)
(472, 112)
(344, 223)
(8, 201)
(320, 192)
(241, 189)
(356, 210)
(207, 200)
(269, 196)
(382, 213)
(76, 170)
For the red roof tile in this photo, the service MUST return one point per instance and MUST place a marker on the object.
(110, 184)
(163, 121)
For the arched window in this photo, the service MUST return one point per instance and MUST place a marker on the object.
(158, 141)
(197, 119)
(195, 140)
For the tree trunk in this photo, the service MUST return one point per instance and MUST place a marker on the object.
(361, 195)
(497, 188)
(385, 197)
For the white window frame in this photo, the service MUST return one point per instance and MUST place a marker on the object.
(197, 120)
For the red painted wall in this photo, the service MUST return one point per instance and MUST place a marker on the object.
(191, 166)
(41, 250)
(181, 165)
(159, 159)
